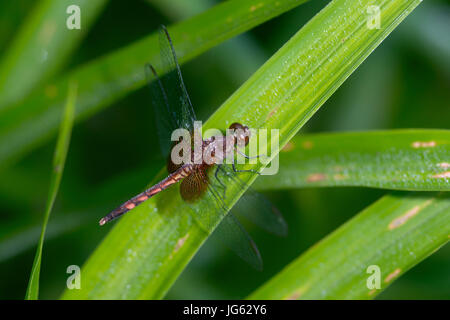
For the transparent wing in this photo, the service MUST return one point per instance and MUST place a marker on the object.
(177, 94)
(227, 228)
(232, 234)
(170, 100)
(254, 206)
(165, 123)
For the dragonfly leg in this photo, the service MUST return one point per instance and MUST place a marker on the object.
(224, 187)
(248, 157)
(249, 170)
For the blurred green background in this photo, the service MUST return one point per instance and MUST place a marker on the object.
(405, 83)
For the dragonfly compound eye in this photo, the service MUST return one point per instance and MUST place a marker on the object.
(236, 125)
(241, 132)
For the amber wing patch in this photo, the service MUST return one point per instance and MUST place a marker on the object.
(194, 185)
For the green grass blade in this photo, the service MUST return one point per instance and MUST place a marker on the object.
(395, 233)
(416, 160)
(42, 46)
(59, 159)
(149, 247)
(110, 78)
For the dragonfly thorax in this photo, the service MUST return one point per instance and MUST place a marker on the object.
(208, 152)
(219, 148)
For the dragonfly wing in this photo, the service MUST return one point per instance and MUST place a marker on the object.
(165, 123)
(215, 216)
(255, 207)
(261, 212)
(172, 106)
(232, 234)
(179, 101)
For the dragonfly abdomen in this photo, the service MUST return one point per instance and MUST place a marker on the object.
(171, 179)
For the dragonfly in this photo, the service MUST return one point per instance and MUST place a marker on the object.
(207, 181)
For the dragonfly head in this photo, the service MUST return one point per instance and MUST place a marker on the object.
(241, 133)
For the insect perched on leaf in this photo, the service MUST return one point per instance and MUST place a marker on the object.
(173, 110)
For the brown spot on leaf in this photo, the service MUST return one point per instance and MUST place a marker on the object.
(180, 242)
(294, 296)
(340, 176)
(288, 147)
(399, 221)
(307, 145)
(316, 177)
(444, 165)
(256, 6)
(47, 32)
(423, 144)
(272, 112)
(443, 175)
(392, 275)
(297, 293)
(372, 292)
